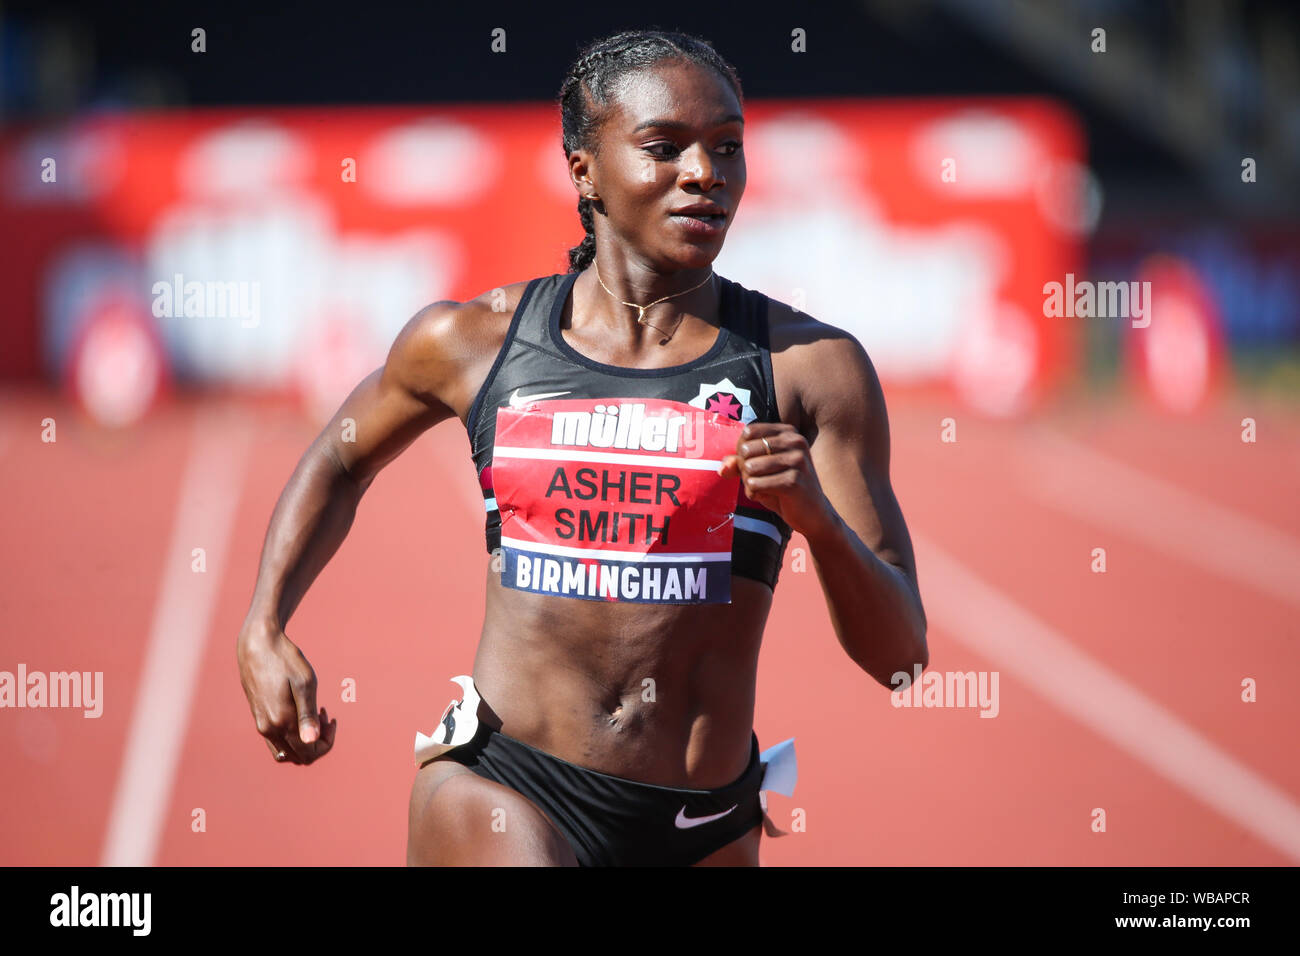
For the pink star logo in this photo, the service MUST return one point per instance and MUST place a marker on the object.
(724, 404)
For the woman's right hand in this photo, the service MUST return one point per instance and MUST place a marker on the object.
(281, 689)
(388, 410)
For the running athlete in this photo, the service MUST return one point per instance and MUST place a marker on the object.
(647, 434)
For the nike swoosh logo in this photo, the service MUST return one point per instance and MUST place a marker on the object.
(684, 822)
(518, 401)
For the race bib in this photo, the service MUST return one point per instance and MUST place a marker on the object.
(616, 499)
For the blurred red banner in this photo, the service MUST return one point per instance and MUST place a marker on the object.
(266, 246)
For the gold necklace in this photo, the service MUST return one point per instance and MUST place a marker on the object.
(641, 308)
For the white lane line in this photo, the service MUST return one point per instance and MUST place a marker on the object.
(1070, 477)
(994, 626)
(205, 509)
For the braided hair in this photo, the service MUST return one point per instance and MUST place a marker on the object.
(586, 90)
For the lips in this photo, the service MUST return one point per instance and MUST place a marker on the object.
(704, 220)
(709, 227)
(710, 212)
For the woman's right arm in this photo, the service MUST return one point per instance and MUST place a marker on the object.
(387, 411)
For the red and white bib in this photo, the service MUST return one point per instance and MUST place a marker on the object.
(616, 499)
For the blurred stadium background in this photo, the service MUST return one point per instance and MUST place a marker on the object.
(206, 249)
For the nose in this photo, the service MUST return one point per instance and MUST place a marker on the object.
(699, 169)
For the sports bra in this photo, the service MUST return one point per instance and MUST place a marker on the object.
(607, 475)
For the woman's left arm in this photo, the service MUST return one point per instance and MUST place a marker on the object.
(836, 493)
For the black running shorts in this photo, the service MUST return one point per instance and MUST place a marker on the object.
(613, 821)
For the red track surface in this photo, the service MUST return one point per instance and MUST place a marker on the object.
(88, 520)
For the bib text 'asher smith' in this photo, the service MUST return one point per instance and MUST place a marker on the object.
(615, 500)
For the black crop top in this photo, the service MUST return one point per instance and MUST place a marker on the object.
(577, 475)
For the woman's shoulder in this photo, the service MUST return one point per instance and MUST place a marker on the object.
(793, 330)
(449, 343)
(454, 328)
(825, 364)
(490, 308)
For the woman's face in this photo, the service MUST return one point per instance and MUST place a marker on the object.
(671, 139)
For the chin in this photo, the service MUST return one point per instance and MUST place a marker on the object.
(697, 257)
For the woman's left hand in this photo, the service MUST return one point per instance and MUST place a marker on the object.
(778, 474)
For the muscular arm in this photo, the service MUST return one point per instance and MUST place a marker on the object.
(864, 558)
(390, 408)
(423, 381)
(834, 489)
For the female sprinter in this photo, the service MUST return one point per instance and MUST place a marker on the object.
(612, 722)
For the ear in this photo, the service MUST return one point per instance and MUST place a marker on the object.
(580, 174)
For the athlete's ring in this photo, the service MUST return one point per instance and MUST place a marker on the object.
(280, 755)
(766, 445)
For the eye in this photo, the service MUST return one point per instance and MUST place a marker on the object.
(668, 146)
(671, 149)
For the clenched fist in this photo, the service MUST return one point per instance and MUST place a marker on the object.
(281, 689)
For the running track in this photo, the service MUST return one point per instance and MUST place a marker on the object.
(1119, 691)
